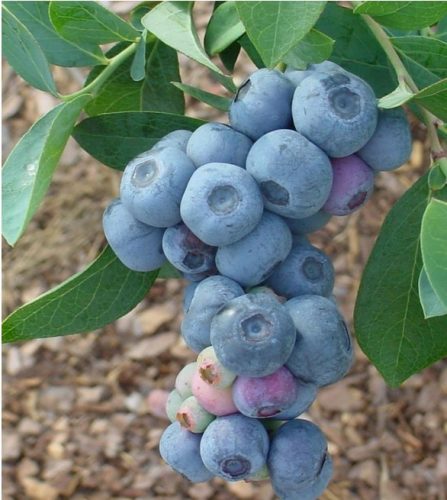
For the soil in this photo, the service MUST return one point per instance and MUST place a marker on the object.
(77, 419)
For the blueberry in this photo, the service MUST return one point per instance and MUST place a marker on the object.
(192, 416)
(212, 371)
(306, 394)
(296, 76)
(234, 447)
(337, 111)
(173, 404)
(218, 143)
(323, 350)
(298, 461)
(188, 294)
(390, 145)
(153, 184)
(209, 297)
(253, 335)
(183, 381)
(268, 291)
(326, 67)
(294, 175)
(187, 253)
(306, 270)
(176, 139)
(308, 224)
(264, 397)
(262, 104)
(253, 259)
(214, 399)
(136, 245)
(353, 185)
(221, 204)
(181, 450)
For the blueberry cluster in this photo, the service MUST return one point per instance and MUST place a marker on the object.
(231, 207)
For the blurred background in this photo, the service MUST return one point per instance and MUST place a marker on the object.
(77, 422)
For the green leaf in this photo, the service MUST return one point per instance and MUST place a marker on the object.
(153, 93)
(389, 322)
(434, 247)
(223, 28)
(434, 98)
(115, 138)
(276, 27)
(138, 66)
(98, 295)
(29, 168)
(24, 54)
(89, 23)
(251, 51)
(314, 48)
(356, 48)
(172, 23)
(213, 100)
(137, 14)
(404, 15)
(424, 57)
(229, 55)
(34, 15)
(430, 302)
(396, 98)
(441, 29)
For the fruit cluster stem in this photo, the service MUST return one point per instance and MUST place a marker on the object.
(405, 78)
(111, 67)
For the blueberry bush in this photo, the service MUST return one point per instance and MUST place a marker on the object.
(230, 207)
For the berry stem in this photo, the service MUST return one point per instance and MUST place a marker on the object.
(111, 67)
(405, 78)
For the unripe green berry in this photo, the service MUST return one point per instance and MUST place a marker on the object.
(173, 404)
(192, 416)
(184, 379)
(212, 371)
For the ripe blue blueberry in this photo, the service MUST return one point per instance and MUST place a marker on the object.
(252, 259)
(336, 111)
(209, 297)
(308, 224)
(390, 145)
(188, 294)
(306, 270)
(222, 203)
(352, 186)
(153, 184)
(218, 143)
(294, 175)
(187, 253)
(176, 139)
(262, 104)
(136, 245)
(298, 461)
(234, 447)
(181, 450)
(323, 350)
(253, 335)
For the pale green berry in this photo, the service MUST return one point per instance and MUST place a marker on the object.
(192, 416)
(173, 404)
(184, 379)
(212, 371)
